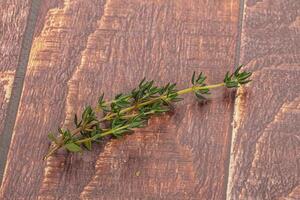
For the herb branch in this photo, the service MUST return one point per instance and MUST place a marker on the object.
(127, 112)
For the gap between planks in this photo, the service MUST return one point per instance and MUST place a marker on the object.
(13, 105)
(235, 108)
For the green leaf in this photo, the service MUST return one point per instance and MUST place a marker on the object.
(75, 120)
(172, 87)
(60, 131)
(52, 138)
(100, 100)
(193, 78)
(120, 132)
(226, 77)
(88, 144)
(244, 82)
(87, 114)
(236, 72)
(177, 99)
(200, 96)
(142, 82)
(231, 84)
(66, 134)
(245, 75)
(72, 147)
(201, 78)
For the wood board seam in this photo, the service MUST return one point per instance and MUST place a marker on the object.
(231, 135)
(17, 88)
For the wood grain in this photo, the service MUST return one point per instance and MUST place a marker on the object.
(83, 48)
(265, 162)
(13, 20)
(55, 53)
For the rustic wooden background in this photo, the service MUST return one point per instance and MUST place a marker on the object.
(58, 55)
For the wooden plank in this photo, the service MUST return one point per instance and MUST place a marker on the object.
(265, 152)
(13, 20)
(55, 53)
(86, 48)
(16, 25)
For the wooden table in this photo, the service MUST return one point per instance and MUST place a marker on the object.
(58, 56)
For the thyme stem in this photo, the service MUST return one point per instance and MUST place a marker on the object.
(180, 92)
(110, 116)
(130, 111)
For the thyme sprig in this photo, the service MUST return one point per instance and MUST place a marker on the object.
(127, 112)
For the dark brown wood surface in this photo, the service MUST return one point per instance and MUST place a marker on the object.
(13, 18)
(82, 48)
(265, 157)
(56, 52)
